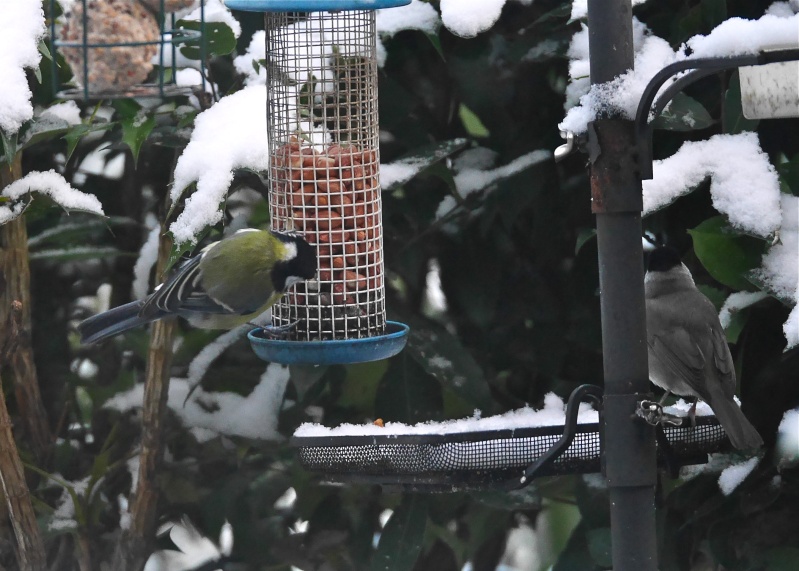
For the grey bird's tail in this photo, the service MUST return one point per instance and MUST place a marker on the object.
(112, 322)
(740, 431)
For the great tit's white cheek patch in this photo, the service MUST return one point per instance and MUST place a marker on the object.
(291, 251)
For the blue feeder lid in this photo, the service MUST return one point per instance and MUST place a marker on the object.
(311, 5)
(335, 352)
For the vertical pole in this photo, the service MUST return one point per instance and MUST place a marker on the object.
(630, 462)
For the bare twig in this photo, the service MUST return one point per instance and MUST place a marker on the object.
(15, 287)
(135, 543)
(30, 548)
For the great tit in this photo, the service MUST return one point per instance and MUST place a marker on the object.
(228, 284)
(688, 353)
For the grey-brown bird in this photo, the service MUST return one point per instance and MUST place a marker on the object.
(688, 352)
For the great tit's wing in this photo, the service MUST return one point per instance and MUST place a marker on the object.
(181, 292)
(680, 353)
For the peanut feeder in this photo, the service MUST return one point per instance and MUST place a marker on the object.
(324, 183)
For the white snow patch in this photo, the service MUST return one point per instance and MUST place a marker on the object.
(400, 172)
(738, 36)
(229, 135)
(467, 18)
(732, 476)
(53, 185)
(251, 416)
(736, 302)
(256, 52)
(417, 15)
(744, 184)
(63, 518)
(216, 11)
(148, 256)
(552, 414)
(67, 111)
(788, 437)
(22, 25)
(580, 8)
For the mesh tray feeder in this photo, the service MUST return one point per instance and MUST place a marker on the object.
(499, 459)
(324, 180)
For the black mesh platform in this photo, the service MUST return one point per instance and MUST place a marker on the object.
(479, 460)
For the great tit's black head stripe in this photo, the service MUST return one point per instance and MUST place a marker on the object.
(302, 266)
(663, 259)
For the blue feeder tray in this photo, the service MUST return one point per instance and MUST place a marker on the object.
(311, 5)
(335, 352)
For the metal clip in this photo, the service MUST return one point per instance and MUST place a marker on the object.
(567, 148)
(652, 413)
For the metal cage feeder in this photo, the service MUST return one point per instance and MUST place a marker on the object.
(322, 121)
(123, 48)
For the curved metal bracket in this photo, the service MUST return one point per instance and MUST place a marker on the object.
(701, 67)
(581, 394)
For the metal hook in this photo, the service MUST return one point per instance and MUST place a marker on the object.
(581, 393)
(567, 148)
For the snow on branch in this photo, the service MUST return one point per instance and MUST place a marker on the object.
(779, 269)
(733, 37)
(467, 18)
(228, 136)
(212, 413)
(22, 25)
(744, 184)
(51, 184)
(417, 15)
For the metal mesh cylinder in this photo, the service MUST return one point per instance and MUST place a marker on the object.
(323, 176)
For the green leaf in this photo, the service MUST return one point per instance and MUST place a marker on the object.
(599, 546)
(76, 133)
(442, 355)
(726, 255)
(44, 50)
(424, 157)
(684, 114)
(789, 174)
(78, 253)
(9, 146)
(737, 322)
(218, 38)
(406, 394)
(70, 233)
(85, 404)
(43, 129)
(471, 122)
(583, 236)
(126, 108)
(436, 41)
(135, 131)
(180, 249)
(734, 121)
(783, 558)
(360, 385)
(401, 539)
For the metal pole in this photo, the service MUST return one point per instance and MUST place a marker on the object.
(630, 462)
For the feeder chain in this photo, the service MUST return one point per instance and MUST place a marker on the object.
(583, 393)
(652, 413)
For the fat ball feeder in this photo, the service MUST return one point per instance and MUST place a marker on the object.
(115, 47)
(322, 122)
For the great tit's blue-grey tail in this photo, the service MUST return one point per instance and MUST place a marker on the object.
(112, 322)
